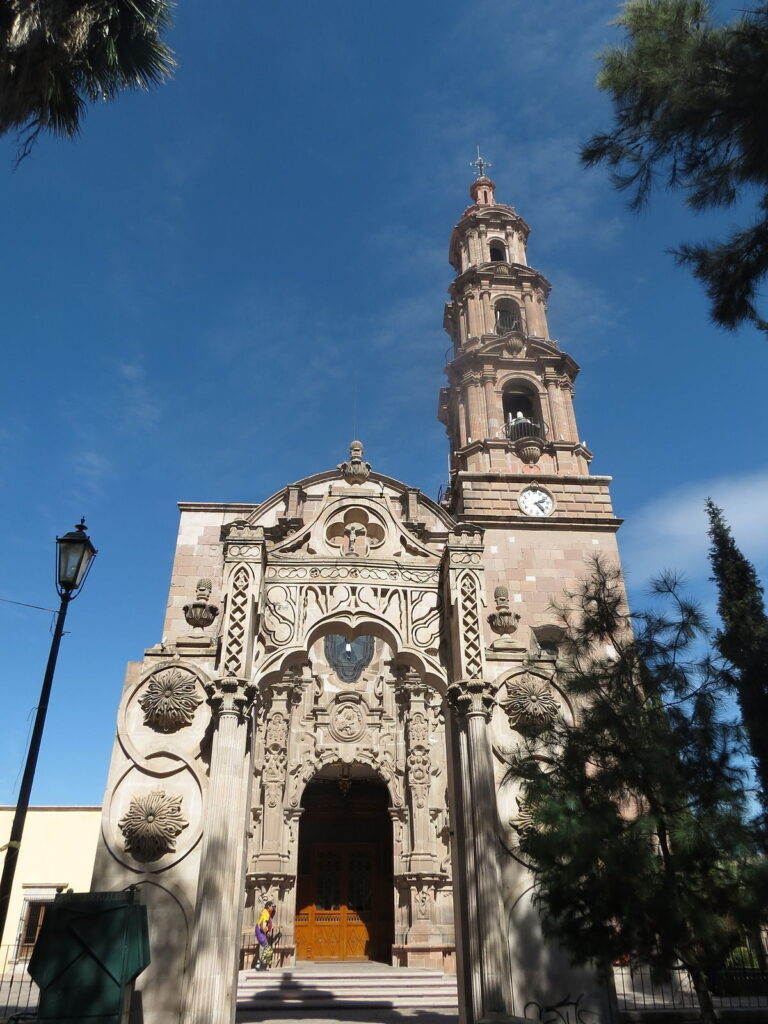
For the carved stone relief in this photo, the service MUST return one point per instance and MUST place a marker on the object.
(355, 532)
(347, 723)
(291, 610)
(170, 700)
(470, 623)
(152, 824)
(236, 635)
(530, 704)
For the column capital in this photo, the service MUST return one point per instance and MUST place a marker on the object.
(471, 698)
(231, 696)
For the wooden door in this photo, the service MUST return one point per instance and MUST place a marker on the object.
(342, 910)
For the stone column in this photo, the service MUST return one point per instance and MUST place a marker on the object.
(489, 327)
(414, 696)
(474, 325)
(566, 391)
(482, 944)
(472, 702)
(470, 383)
(492, 401)
(214, 954)
(530, 313)
(557, 428)
(482, 240)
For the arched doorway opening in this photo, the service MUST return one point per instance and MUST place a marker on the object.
(345, 883)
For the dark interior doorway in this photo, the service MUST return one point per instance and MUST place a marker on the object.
(345, 884)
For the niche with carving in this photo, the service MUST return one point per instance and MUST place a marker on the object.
(355, 533)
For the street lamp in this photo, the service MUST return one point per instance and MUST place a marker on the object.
(74, 555)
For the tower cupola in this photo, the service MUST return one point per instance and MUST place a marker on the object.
(482, 191)
(508, 408)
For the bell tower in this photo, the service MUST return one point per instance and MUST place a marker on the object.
(523, 497)
(508, 406)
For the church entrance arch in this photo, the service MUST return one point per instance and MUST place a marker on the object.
(345, 877)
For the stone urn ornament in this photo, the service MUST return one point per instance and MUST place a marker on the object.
(201, 613)
(503, 621)
(355, 471)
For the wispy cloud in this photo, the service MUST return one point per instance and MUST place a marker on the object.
(671, 532)
(141, 407)
(90, 473)
(580, 310)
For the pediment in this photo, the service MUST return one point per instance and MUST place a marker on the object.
(356, 527)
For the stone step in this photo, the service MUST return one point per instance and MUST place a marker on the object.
(346, 987)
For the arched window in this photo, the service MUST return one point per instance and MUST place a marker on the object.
(508, 316)
(498, 252)
(522, 412)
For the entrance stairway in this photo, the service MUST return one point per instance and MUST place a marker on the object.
(320, 990)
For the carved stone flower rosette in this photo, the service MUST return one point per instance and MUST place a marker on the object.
(530, 704)
(170, 699)
(152, 825)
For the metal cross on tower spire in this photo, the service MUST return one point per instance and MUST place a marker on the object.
(480, 164)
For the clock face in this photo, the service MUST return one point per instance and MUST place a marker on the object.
(535, 501)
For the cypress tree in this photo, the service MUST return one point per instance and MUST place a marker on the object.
(743, 639)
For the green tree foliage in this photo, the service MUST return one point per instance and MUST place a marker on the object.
(689, 101)
(743, 640)
(638, 835)
(56, 55)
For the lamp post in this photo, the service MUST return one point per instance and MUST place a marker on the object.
(74, 555)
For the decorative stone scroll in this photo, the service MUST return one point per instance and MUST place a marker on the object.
(373, 573)
(152, 825)
(522, 823)
(170, 700)
(291, 610)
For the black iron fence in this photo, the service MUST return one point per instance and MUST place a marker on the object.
(733, 988)
(18, 993)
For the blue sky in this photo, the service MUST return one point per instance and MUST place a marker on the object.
(192, 287)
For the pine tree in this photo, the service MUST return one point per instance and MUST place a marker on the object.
(743, 640)
(635, 816)
(689, 101)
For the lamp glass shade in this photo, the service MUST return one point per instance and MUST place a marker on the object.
(75, 553)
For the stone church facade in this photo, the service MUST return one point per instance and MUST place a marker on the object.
(344, 671)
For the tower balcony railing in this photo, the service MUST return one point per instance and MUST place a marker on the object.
(522, 427)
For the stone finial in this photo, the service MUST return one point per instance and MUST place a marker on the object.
(355, 471)
(201, 613)
(503, 621)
